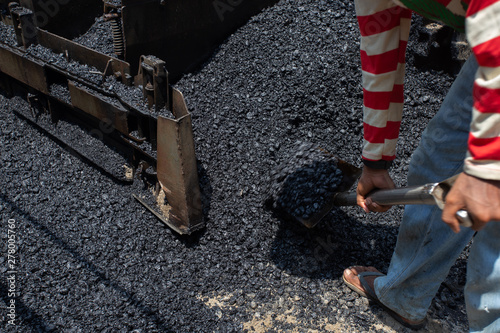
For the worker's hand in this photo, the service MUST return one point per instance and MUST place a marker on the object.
(370, 180)
(479, 197)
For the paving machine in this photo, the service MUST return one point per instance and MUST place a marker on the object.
(120, 92)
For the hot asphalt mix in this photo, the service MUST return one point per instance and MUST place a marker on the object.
(91, 259)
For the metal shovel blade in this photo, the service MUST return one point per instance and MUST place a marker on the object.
(350, 175)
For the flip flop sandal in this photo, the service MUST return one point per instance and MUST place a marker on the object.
(357, 289)
(369, 293)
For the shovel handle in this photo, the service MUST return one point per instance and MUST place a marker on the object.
(411, 195)
(414, 195)
(464, 218)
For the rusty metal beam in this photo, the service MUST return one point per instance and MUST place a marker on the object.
(108, 113)
(29, 71)
(85, 55)
(177, 169)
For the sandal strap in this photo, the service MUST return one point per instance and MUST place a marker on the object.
(371, 293)
(369, 290)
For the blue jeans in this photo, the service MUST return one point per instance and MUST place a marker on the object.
(426, 247)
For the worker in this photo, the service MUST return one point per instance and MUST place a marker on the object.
(463, 138)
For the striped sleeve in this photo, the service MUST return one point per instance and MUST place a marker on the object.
(483, 34)
(384, 29)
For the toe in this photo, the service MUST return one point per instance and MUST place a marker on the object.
(351, 274)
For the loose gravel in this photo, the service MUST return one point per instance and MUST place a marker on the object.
(99, 37)
(60, 61)
(91, 259)
(7, 34)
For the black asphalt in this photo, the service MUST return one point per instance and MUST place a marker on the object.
(91, 259)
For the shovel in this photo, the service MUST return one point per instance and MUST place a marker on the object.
(427, 194)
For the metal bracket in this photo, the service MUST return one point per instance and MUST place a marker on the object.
(176, 161)
(24, 24)
(155, 86)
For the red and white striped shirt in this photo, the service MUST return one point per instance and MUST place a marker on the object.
(384, 27)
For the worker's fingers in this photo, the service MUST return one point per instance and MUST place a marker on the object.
(372, 179)
(449, 216)
(366, 203)
(479, 197)
(375, 207)
(360, 198)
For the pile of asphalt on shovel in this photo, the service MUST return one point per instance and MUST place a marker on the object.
(91, 259)
(301, 186)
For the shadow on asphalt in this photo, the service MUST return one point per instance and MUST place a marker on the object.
(337, 242)
(30, 317)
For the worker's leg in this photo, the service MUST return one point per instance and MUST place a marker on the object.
(426, 247)
(482, 291)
